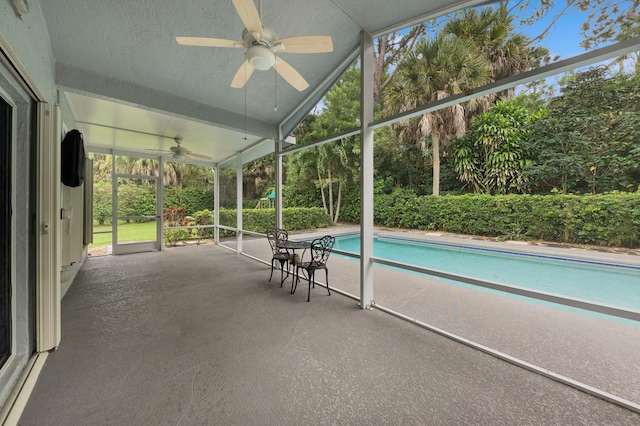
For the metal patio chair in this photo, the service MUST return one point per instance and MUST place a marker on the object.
(320, 250)
(275, 236)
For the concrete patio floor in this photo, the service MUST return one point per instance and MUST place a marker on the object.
(197, 335)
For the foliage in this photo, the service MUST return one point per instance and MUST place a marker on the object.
(192, 198)
(604, 219)
(302, 194)
(261, 220)
(136, 200)
(201, 218)
(175, 216)
(390, 49)
(102, 203)
(609, 20)
(437, 69)
(588, 141)
(490, 156)
(335, 163)
(172, 237)
(257, 176)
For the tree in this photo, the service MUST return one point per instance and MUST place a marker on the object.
(438, 68)
(333, 163)
(492, 31)
(390, 49)
(589, 142)
(257, 177)
(490, 156)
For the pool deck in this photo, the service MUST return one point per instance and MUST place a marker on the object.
(590, 350)
(197, 335)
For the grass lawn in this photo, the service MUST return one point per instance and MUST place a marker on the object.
(126, 232)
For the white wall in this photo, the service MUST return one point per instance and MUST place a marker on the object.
(26, 40)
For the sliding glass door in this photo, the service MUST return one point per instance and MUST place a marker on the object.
(6, 282)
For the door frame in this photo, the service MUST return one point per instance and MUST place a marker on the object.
(136, 247)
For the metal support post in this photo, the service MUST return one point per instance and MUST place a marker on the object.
(366, 170)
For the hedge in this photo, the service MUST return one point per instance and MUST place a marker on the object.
(140, 200)
(611, 219)
(261, 220)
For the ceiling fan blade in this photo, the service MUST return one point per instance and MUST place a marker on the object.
(204, 157)
(249, 17)
(304, 44)
(208, 42)
(242, 75)
(292, 76)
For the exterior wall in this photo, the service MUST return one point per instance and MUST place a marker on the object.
(27, 39)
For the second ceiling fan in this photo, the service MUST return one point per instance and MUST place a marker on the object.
(262, 44)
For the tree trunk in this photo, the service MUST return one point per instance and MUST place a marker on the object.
(436, 164)
(335, 219)
(324, 199)
(330, 195)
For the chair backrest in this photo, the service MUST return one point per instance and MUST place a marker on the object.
(321, 249)
(276, 235)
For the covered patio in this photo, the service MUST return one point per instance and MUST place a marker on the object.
(198, 335)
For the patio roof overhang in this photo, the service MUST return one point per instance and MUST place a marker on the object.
(131, 88)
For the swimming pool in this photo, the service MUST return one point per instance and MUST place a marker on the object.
(601, 282)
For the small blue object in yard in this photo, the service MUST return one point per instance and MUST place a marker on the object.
(272, 196)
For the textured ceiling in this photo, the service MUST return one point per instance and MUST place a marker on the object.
(112, 53)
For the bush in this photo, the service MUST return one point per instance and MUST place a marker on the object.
(102, 203)
(611, 219)
(173, 236)
(261, 220)
(192, 199)
(136, 200)
(203, 217)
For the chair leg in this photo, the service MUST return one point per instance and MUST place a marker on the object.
(294, 283)
(327, 279)
(311, 280)
(271, 276)
(282, 277)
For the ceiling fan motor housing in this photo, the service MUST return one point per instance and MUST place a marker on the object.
(260, 57)
(266, 39)
(259, 52)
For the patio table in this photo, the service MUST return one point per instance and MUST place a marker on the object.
(293, 246)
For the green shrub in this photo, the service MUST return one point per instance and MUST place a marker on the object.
(102, 203)
(192, 199)
(202, 217)
(173, 236)
(611, 219)
(261, 220)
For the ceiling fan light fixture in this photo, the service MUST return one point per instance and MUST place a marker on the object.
(178, 156)
(260, 57)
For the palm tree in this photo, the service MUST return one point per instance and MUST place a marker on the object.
(327, 165)
(438, 68)
(492, 31)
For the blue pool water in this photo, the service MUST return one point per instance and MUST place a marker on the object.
(601, 282)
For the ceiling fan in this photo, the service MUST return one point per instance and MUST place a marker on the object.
(262, 44)
(180, 152)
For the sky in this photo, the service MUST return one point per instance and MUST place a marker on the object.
(564, 38)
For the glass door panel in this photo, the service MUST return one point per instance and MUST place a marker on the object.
(136, 220)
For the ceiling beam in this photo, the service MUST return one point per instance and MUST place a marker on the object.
(92, 84)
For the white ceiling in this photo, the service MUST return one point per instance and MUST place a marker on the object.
(131, 87)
